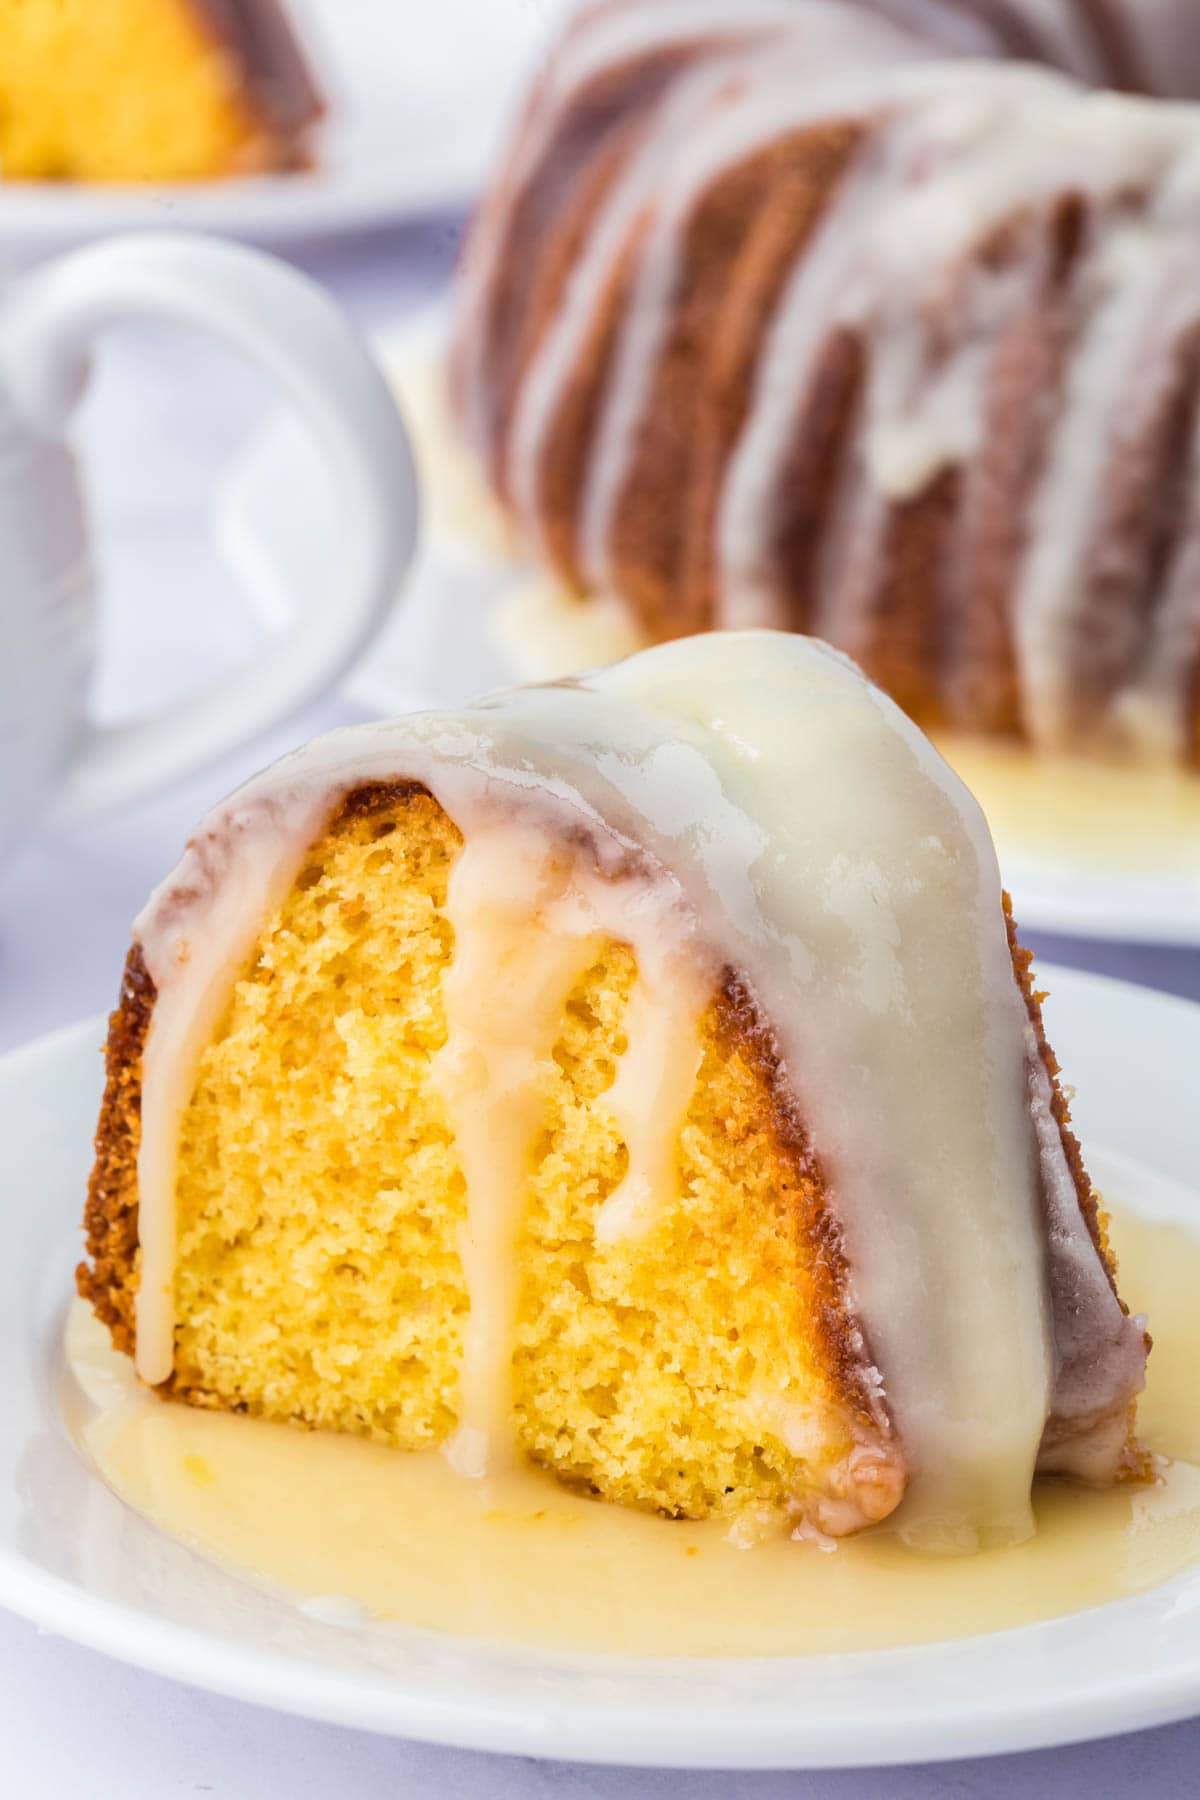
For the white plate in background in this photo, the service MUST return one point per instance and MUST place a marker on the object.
(452, 633)
(77, 1561)
(418, 97)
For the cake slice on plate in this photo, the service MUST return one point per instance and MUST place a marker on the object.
(638, 1076)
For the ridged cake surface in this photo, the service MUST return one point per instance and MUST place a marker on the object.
(835, 317)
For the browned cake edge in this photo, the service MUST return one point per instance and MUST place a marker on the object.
(1136, 1464)
(1089, 1200)
(278, 91)
(108, 1281)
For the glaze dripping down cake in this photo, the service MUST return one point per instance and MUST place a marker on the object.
(834, 317)
(151, 90)
(638, 1076)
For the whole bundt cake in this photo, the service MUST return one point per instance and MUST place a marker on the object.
(828, 315)
(637, 1076)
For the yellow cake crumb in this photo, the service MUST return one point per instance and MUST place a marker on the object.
(319, 1197)
(321, 1202)
(119, 90)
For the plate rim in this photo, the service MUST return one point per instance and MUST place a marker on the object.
(582, 1726)
(289, 208)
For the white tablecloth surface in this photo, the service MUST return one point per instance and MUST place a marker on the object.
(164, 415)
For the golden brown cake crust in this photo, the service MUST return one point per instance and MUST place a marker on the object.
(1022, 961)
(1135, 1465)
(277, 85)
(108, 1280)
(848, 1355)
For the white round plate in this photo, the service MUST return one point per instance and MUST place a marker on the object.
(445, 641)
(417, 98)
(77, 1561)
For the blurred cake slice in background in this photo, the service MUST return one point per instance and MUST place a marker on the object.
(151, 90)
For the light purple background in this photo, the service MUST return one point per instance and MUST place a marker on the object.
(164, 416)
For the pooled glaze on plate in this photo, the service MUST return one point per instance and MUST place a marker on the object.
(371, 1533)
(1120, 818)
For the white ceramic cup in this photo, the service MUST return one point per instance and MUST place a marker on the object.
(54, 762)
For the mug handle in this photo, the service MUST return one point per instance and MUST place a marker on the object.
(285, 322)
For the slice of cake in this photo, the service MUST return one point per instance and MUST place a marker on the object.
(151, 90)
(638, 1076)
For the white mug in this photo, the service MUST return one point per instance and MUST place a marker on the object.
(54, 762)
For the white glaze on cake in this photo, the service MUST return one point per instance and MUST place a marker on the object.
(777, 816)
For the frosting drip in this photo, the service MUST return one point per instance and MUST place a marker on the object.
(529, 918)
(778, 816)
